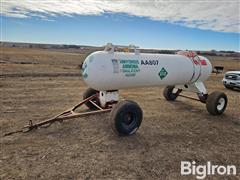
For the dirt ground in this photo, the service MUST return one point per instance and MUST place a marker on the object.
(86, 148)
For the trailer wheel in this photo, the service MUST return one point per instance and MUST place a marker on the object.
(169, 94)
(216, 103)
(89, 92)
(126, 117)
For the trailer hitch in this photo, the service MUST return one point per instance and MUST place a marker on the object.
(65, 115)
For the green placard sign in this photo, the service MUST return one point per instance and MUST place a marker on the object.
(163, 73)
(84, 71)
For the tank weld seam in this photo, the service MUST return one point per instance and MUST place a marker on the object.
(193, 70)
(200, 71)
(190, 55)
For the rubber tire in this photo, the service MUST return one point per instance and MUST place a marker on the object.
(212, 103)
(168, 93)
(117, 117)
(89, 92)
(228, 87)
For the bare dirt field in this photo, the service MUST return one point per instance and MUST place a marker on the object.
(35, 84)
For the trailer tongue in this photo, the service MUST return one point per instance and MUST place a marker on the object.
(65, 115)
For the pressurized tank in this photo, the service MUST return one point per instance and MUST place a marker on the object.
(103, 70)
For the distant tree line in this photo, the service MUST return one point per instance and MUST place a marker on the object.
(89, 49)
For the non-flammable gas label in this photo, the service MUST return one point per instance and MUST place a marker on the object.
(163, 73)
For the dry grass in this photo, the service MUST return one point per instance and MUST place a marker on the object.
(86, 148)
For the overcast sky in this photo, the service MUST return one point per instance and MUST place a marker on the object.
(150, 20)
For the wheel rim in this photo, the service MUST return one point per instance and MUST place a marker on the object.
(221, 104)
(174, 93)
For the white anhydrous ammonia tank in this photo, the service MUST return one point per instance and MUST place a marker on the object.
(105, 70)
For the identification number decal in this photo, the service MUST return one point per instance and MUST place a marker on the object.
(149, 62)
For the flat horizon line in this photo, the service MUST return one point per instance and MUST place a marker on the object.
(99, 46)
